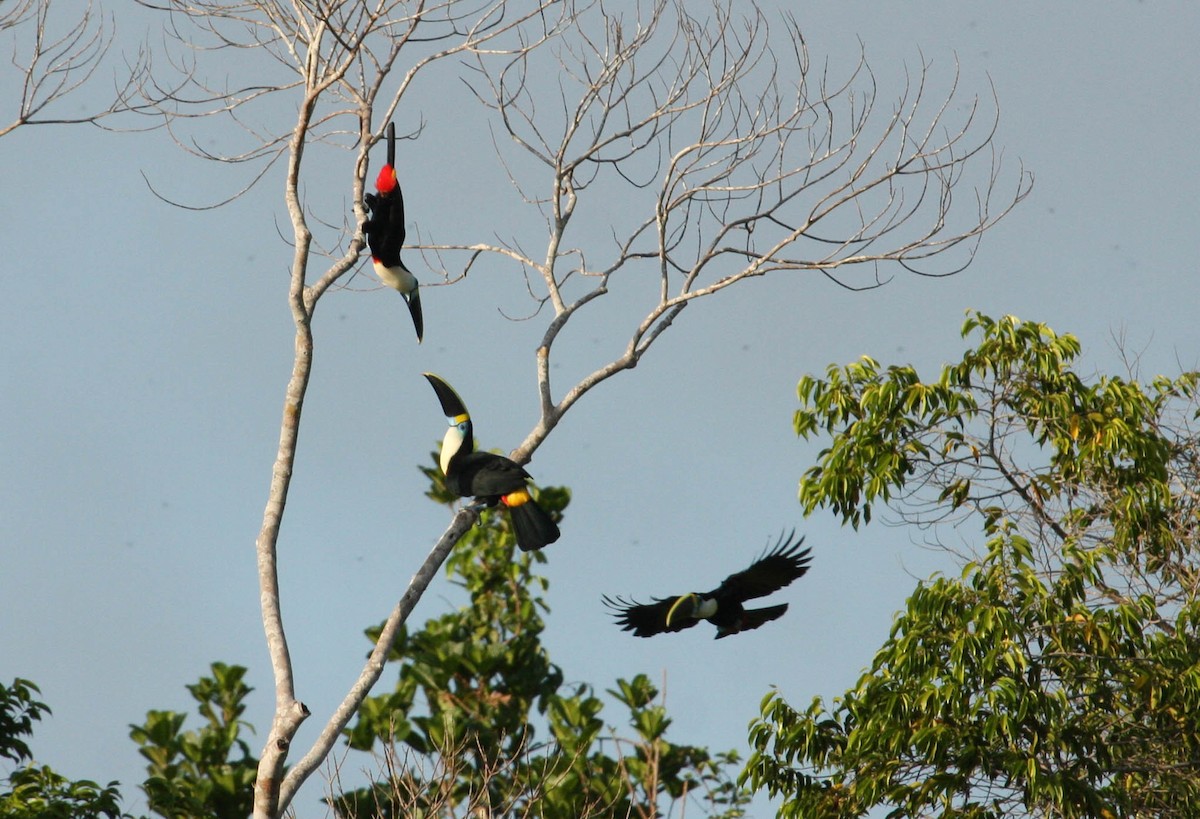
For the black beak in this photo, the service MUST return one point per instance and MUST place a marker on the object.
(452, 405)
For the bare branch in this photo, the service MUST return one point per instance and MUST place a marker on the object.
(336, 56)
(55, 61)
(462, 522)
(742, 159)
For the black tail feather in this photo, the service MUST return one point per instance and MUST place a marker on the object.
(533, 526)
(753, 618)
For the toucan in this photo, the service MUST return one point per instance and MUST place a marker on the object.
(776, 568)
(490, 478)
(384, 230)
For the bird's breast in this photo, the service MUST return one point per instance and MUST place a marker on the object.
(396, 277)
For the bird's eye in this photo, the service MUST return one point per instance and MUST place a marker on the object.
(463, 427)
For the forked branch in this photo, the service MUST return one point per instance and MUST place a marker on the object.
(734, 158)
(55, 59)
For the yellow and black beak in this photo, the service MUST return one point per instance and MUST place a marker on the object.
(452, 406)
(684, 607)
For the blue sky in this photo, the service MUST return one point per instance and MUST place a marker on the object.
(147, 347)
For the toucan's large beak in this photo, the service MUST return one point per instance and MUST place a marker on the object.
(690, 599)
(452, 406)
(414, 309)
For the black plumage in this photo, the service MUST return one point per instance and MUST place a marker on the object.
(385, 232)
(723, 606)
(384, 227)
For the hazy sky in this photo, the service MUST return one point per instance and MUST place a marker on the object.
(146, 350)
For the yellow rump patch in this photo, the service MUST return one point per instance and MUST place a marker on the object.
(518, 498)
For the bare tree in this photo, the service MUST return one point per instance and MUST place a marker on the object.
(744, 161)
(54, 59)
(735, 158)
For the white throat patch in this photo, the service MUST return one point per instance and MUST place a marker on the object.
(451, 443)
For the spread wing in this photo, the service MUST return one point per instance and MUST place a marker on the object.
(646, 619)
(775, 569)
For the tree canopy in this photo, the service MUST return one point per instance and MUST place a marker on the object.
(1059, 673)
(480, 719)
(36, 791)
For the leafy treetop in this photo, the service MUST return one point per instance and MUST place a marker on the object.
(1059, 674)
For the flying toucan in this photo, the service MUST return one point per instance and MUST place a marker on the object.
(490, 478)
(384, 230)
(722, 606)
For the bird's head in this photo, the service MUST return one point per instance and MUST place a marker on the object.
(459, 435)
(386, 182)
(687, 607)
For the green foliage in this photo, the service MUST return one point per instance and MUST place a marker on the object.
(196, 774)
(37, 791)
(469, 684)
(19, 710)
(1060, 673)
(457, 731)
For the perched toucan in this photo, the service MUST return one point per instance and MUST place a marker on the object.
(384, 230)
(722, 606)
(490, 478)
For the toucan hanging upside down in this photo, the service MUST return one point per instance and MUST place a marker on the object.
(385, 234)
(490, 478)
(722, 606)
